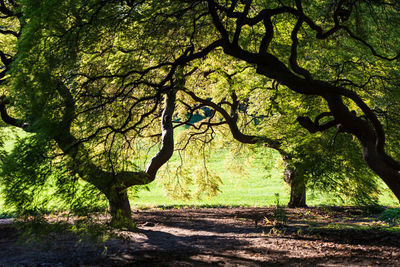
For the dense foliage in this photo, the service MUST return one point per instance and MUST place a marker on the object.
(96, 81)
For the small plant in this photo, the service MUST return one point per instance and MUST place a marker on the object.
(276, 231)
(279, 213)
(391, 216)
(299, 231)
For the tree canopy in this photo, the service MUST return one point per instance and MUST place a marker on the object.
(93, 79)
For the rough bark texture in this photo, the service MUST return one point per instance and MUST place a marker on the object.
(297, 187)
(120, 209)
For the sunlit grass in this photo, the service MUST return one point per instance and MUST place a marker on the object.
(258, 188)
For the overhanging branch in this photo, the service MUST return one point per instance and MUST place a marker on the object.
(315, 126)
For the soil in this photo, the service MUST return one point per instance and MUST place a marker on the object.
(221, 237)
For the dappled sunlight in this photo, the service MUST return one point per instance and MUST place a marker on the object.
(243, 236)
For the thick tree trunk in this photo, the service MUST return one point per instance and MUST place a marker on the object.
(385, 171)
(120, 209)
(371, 135)
(297, 198)
(297, 186)
(297, 194)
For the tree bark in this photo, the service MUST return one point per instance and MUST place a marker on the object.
(297, 186)
(380, 166)
(297, 196)
(120, 208)
(167, 138)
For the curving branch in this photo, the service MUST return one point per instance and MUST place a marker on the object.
(293, 52)
(5, 10)
(268, 36)
(369, 46)
(315, 126)
(5, 59)
(240, 22)
(232, 123)
(217, 20)
(6, 117)
(167, 141)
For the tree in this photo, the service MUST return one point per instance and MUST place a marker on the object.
(330, 56)
(84, 81)
(257, 111)
(89, 75)
(233, 101)
(74, 118)
(337, 27)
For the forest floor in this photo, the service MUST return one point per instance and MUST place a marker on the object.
(219, 236)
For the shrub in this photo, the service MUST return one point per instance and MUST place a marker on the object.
(391, 216)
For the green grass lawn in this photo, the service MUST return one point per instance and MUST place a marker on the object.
(259, 187)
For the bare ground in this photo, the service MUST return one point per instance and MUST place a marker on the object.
(219, 236)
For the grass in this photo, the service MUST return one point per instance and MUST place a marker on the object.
(256, 189)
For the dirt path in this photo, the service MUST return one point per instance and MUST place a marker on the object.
(223, 236)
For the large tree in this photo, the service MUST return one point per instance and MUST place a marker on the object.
(324, 38)
(88, 114)
(255, 110)
(89, 75)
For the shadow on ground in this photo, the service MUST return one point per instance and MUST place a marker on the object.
(219, 236)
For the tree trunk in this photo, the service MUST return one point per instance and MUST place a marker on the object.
(297, 194)
(297, 186)
(120, 209)
(385, 171)
(371, 135)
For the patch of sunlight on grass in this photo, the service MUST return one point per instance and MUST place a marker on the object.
(256, 189)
